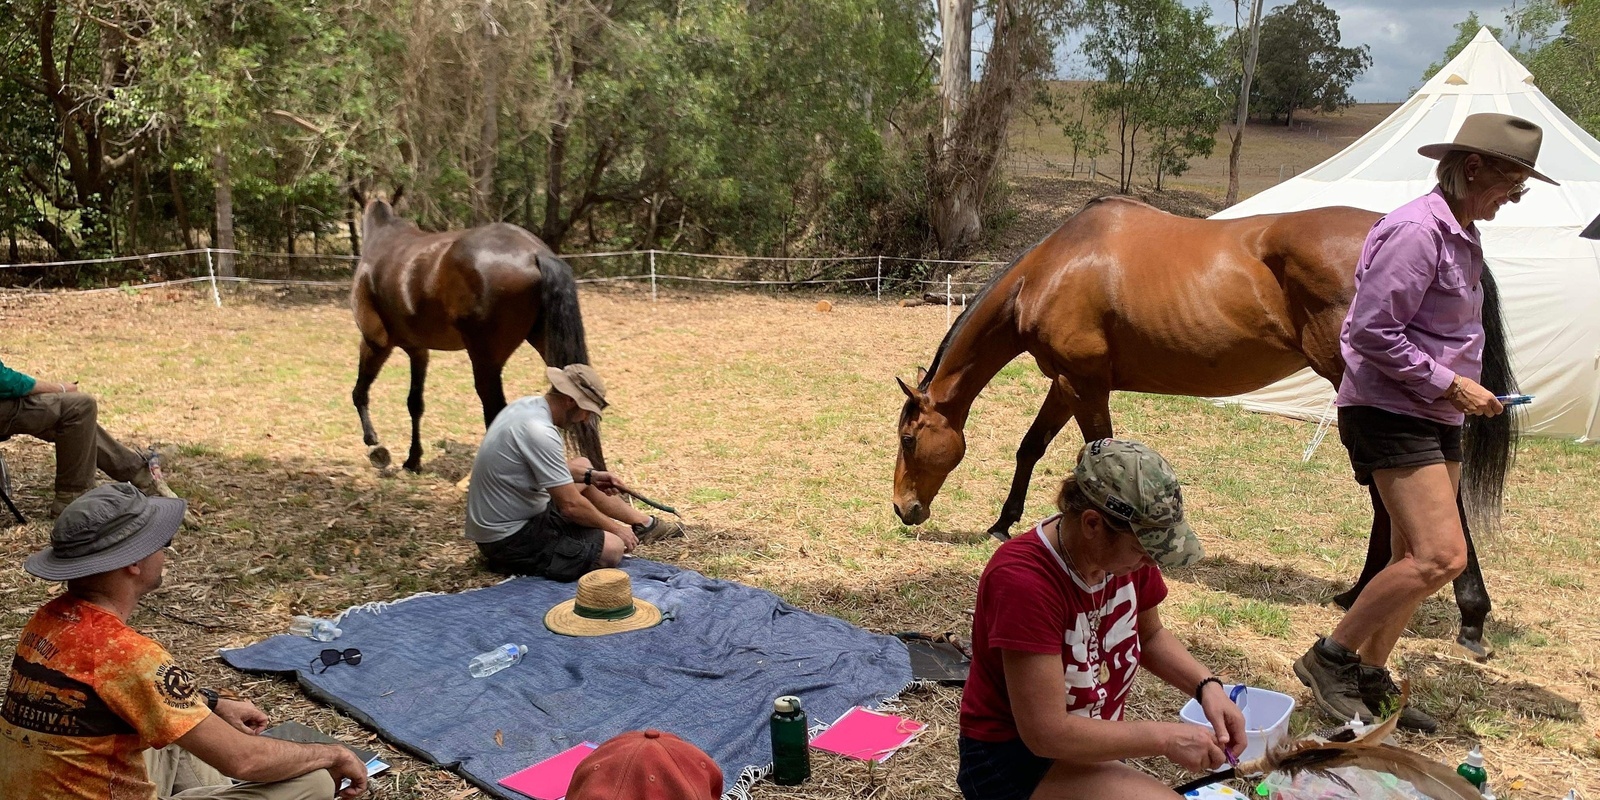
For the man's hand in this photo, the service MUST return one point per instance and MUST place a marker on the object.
(242, 715)
(629, 540)
(346, 767)
(606, 482)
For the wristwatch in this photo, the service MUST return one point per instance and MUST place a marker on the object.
(211, 697)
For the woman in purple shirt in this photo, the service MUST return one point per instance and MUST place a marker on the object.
(1421, 341)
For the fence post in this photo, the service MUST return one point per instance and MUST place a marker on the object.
(210, 270)
(880, 277)
(947, 299)
(652, 274)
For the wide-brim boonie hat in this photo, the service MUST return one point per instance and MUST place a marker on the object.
(105, 529)
(581, 383)
(1502, 136)
(1134, 484)
(605, 604)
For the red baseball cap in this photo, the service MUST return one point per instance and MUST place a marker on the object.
(646, 765)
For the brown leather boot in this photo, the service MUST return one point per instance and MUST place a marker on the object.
(1380, 693)
(1332, 673)
(62, 500)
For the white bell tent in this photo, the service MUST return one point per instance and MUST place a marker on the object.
(1549, 278)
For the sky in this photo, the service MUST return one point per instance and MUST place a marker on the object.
(1405, 36)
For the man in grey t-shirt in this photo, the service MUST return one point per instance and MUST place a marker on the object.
(531, 510)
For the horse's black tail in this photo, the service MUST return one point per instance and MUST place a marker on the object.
(564, 341)
(1489, 444)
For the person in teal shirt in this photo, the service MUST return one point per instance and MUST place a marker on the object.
(56, 411)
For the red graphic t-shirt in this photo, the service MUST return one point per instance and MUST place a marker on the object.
(87, 696)
(1029, 601)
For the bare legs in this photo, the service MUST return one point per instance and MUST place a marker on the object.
(1429, 551)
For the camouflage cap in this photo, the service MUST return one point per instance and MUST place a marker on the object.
(1135, 485)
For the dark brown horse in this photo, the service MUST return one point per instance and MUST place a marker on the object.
(1125, 297)
(485, 290)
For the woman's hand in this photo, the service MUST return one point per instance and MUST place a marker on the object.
(1192, 747)
(1470, 398)
(1227, 721)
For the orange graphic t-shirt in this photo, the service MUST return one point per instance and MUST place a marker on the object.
(87, 696)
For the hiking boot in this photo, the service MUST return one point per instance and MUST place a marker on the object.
(150, 482)
(658, 529)
(63, 499)
(1331, 671)
(1379, 692)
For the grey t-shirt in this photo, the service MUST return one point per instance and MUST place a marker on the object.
(522, 457)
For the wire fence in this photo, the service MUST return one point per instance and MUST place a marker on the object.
(866, 273)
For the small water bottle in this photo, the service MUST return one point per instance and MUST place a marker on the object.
(485, 664)
(1472, 769)
(322, 630)
(791, 746)
(153, 462)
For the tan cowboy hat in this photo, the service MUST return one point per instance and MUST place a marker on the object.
(581, 383)
(1502, 136)
(605, 604)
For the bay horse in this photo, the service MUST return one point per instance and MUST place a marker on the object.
(485, 290)
(1125, 297)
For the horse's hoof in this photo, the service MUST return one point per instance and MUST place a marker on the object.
(413, 467)
(1344, 601)
(1476, 649)
(379, 456)
(1000, 534)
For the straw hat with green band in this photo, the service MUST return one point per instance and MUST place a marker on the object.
(605, 604)
(1136, 486)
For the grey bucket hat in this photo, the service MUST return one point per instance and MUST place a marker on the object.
(105, 529)
(1135, 485)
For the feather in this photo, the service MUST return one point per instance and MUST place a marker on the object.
(1368, 752)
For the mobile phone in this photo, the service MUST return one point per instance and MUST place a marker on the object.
(1515, 399)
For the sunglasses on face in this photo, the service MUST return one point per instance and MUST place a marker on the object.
(328, 658)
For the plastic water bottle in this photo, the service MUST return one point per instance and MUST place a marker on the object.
(1472, 769)
(791, 746)
(485, 664)
(322, 630)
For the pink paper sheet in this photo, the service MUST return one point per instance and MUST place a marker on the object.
(867, 735)
(549, 779)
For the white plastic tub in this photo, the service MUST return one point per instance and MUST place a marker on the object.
(1266, 719)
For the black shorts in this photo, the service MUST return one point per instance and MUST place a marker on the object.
(548, 546)
(1379, 439)
(999, 770)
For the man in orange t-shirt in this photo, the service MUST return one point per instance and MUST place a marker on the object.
(91, 701)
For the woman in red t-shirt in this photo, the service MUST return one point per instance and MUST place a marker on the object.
(1066, 615)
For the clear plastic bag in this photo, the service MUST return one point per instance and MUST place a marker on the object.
(1363, 785)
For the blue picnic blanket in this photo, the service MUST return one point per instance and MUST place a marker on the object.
(709, 674)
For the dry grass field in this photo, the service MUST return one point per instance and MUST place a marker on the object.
(1270, 150)
(770, 425)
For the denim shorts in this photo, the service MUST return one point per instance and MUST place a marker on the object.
(999, 770)
(1379, 439)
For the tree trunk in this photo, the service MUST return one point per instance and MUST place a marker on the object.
(955, 62)
(489, 133)
(58, 239)
(224, 201)
(1242, 118)
(554, 229)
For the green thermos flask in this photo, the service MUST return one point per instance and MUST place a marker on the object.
(791, 747)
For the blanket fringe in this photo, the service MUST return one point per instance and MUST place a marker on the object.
(379, 606)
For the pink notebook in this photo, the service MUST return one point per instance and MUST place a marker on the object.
(549, 779)
(868, 735)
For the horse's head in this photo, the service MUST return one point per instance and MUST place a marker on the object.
(929, 448)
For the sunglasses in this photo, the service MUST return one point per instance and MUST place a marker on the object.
(328, 658)
(1518, 190)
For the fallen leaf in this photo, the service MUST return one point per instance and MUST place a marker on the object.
(499, 739)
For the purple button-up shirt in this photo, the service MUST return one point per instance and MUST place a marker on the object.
(1416, 321)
